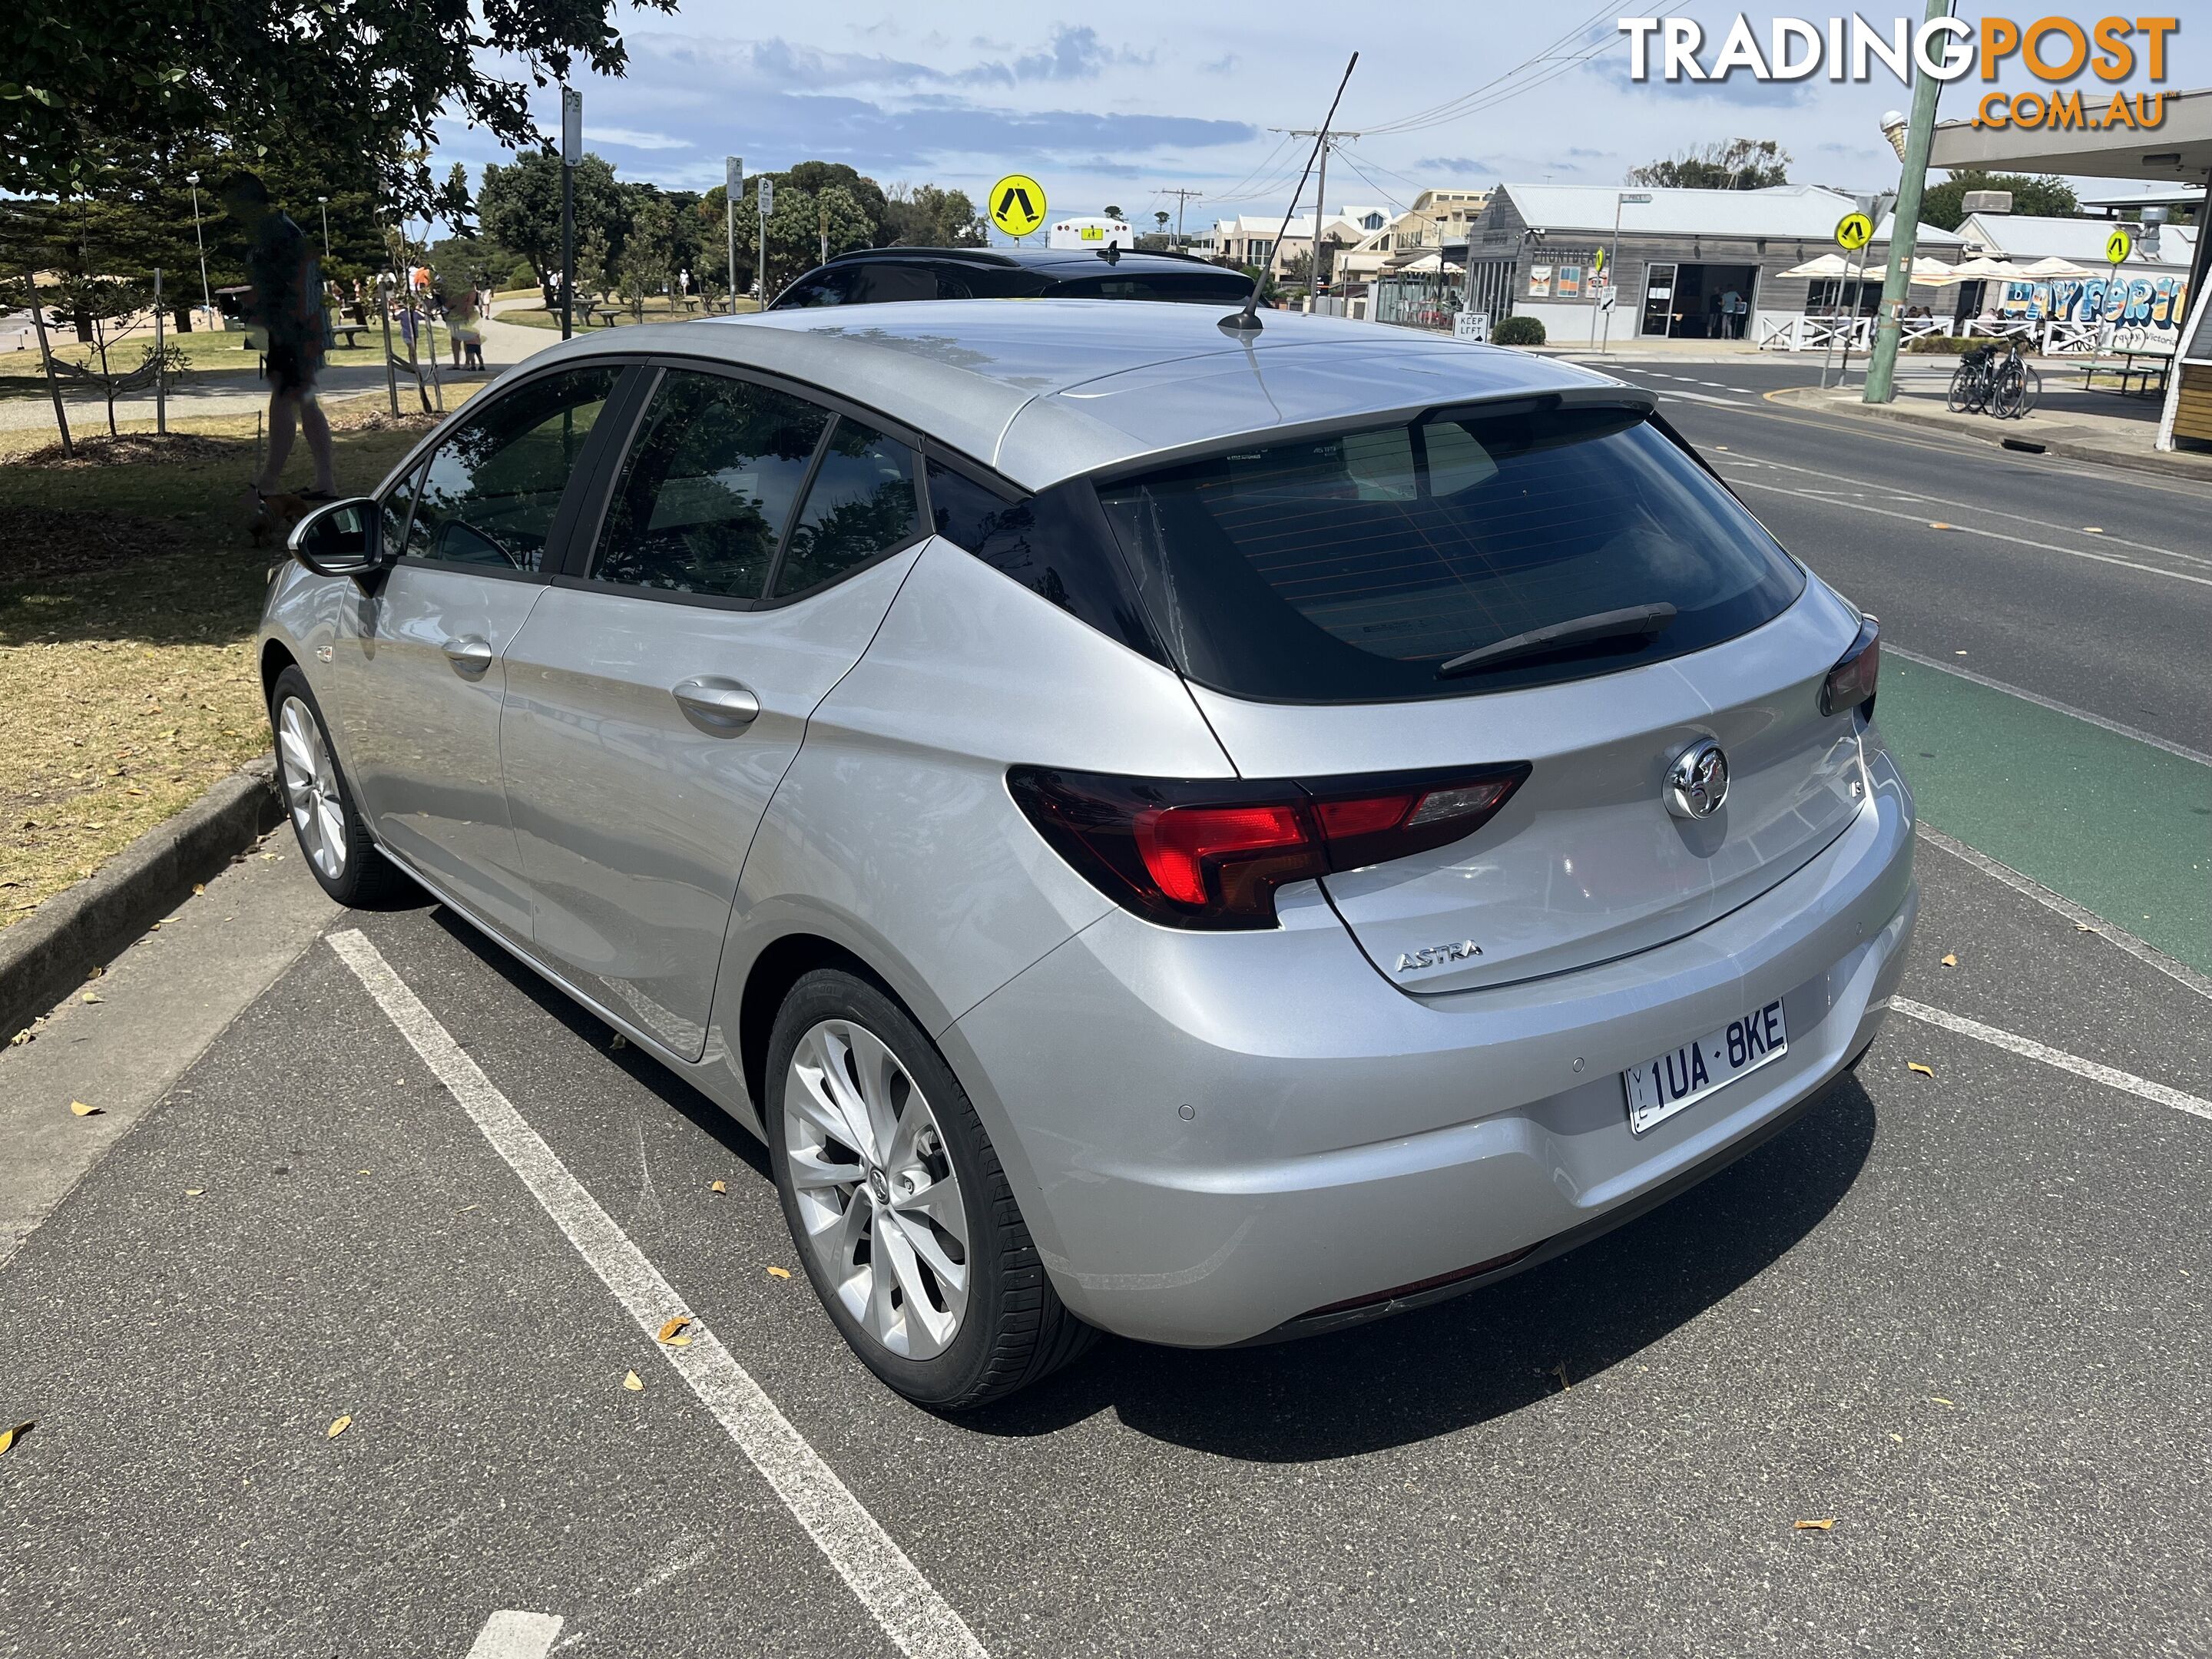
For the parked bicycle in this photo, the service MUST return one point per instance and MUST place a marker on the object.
(2002, 383)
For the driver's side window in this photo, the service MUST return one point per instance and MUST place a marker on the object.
(493, 486)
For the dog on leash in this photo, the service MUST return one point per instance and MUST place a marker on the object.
(274, 516)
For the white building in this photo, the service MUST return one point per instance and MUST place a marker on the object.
(1095, 231)
(1252, 237)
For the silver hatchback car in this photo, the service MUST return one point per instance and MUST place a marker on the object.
(1208, 838)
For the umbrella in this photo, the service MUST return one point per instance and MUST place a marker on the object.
(1828, 264)
(1985, 270)
(2044, 270)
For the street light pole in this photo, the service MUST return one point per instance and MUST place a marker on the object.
(1889, 325)
(193, 179)
(571, 152)
(324, 203)
(734, 175)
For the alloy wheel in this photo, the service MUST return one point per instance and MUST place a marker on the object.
(311, 787)
(878, 1197)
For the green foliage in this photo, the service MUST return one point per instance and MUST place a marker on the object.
(520, 207)
(523, 274)
(1518, 331)
(648, 255)
(924, 215)
(804, 220)
(1739, 164)
(1944, 205)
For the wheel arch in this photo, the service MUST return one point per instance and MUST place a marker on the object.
(769, 979)
(276, 658)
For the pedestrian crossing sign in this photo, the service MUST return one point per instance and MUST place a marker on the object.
(1017, 205)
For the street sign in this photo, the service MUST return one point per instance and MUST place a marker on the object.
(1017, 205)
(1853, 232)
(1597, 263)
(1608, 296)
(734, 174)
(1473, 325)
(767, 194)
(572, 126)
(2118, 247)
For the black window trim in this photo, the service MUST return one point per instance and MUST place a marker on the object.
(575, 571)
(576, 494)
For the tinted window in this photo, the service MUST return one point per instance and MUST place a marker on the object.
(397, 500)
(708, 487)
(1348, 567)
(1185, 287)
(1055, 544)
(820, 288)
(861, 503)
(494, 486)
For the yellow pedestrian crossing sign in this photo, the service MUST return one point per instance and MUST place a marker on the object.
(1017, 205)
(2118, 247)
(1853, 232)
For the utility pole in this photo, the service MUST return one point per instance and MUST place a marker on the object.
(1881, 366)
(825, 234)
(734, 175)
(324, 203)
(206, 304)
(1328, 138)
(764, 198)
(1182, 196)
(572, 154)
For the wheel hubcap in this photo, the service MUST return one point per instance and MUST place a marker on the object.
(878, 1202)
(311, 787)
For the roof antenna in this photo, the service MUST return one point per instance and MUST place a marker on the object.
(1246, 321)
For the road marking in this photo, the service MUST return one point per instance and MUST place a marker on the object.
(1706, 398)
(2055, 707)
(2111, 1077)
(2141, 950)
(517, 1635)
(919, 1620)
(1992, 535)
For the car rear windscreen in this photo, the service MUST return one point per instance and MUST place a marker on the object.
(1201, 288)
(1352, 567)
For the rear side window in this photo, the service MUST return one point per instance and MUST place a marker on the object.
(493, 486)
(861, 504)
(1350, 568)
(1187, 288)
(708, 487)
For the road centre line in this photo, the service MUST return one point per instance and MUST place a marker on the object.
(2052, 704)
(514, 1634)
(1991, 535)
(1896, 493)
(919, 1620)
(2089, 920)
(2111, 1077)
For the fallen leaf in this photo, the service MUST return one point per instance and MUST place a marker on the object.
(1898, 1438)
(339, 1426)
(96, 972)
(1939, 1400)
(1560, 1370)
(619, 1041)
(2093, 530)
(466, 1208)
(1938, 524)
(779, 1272)
(2081, 926)
(82, 1110)
(1826, 1523)
(9, 1436)
(93, 996)
(19, 1039)
(194, 1191)
(199, 887)
(1951, 960)
(718, 1186)
(673, 1332)
(631, 1382)
(360, 1172)
(1915, 1065)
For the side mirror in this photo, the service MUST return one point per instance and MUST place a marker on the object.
(339, 539)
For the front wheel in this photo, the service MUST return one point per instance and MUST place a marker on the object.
(319, 802)
(1961, 398)
(895, 1199)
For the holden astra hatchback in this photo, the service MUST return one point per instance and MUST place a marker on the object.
(1209, 837)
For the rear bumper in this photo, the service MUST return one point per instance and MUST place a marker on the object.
(1217, 1135)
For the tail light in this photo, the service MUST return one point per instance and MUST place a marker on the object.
(1210, 855)
(1850, 682)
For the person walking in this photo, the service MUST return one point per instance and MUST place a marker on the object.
(463, 327)
(287, 305)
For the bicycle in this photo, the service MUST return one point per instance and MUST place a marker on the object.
(2015, 385)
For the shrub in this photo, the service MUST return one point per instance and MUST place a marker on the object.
(1518, 331)
(525, 274)
(1947, 344)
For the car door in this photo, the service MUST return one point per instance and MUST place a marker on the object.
(660, 690)
(420, 671)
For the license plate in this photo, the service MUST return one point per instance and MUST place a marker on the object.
(1659, 1088)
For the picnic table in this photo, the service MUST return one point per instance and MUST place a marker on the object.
(2150, 368)
(348, 333)
(606, 314)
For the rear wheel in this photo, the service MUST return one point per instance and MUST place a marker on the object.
(895, 1197)
(319, 803)
(1961, 396)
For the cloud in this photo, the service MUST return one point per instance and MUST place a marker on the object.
(1072, 54)
(1453, 164)
(630, 138)
(1221, 65)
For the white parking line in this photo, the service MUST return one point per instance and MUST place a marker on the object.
(912, 1614)
(2054, 705)
(2111, 1077)
(516, 1635)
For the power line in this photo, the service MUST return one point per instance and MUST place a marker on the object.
(1481, 97)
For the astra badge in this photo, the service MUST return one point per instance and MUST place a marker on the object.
(1435, 955)
(1697, 783)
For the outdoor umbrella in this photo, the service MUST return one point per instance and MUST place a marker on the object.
(2044, 270)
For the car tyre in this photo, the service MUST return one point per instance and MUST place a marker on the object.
(318, 800)
(947, 1302)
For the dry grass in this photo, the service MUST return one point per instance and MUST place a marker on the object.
(128, 594)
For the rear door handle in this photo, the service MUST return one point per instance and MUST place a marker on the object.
(722, 704)
(470, 654)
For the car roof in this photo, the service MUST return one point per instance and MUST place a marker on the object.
(1045, 390)
(1052, 261)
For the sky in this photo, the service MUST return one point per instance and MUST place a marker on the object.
(1117, 105)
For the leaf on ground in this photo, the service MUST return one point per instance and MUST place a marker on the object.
(199, 887)
(1939, 1400)
(9, 1436)
(1826, 1523)
(619, 1041)
(2081, 926)
(80, 1110)
(339, 1426)
(1951, 959)
(1915, 1065)
(779, 1272)
(673, 1332)
(194, 1191)
(2093, 530)
(1560, 1370)
(93, 996)
(633, 1383)
(1938, 524)
(718, 1186)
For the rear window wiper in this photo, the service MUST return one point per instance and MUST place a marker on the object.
(1635, 621)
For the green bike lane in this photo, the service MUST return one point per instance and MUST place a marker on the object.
(2120, 827)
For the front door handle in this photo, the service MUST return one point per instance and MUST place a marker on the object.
(470, 654)
(725, 705)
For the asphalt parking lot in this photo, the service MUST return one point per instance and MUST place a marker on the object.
(1955, 1315)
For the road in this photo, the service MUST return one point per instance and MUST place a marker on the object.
(1956, 1312)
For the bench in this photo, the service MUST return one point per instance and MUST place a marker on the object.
(2150, 368)
(110, 386)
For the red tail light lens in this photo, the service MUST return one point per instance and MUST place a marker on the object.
(1850, 682)
(1210, 854)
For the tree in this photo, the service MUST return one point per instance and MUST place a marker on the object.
(814, 177)
(594, 265)
(1945, 204)
(924, 215)
(520, 207)
(1160, 218)
(87, 80)
(1113, 212)
(1739, 164)
(648, 255)
(795, 229)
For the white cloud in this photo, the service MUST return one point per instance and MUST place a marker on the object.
(630, 138)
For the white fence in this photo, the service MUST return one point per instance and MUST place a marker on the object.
(2056, 339)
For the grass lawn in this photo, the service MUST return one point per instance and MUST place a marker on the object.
(210, 354)
(656, 311)
(128, 594)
